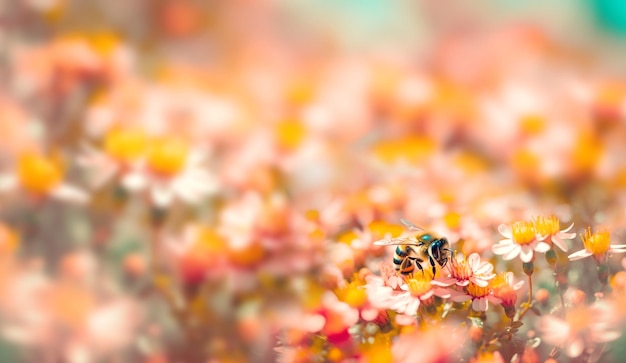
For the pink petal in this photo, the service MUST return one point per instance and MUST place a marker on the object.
(313, 323)
(568, 228)
(369, 314)
(402, 319)
(460, 297)
(557, 241)
(578, 255)
(480, 304)
(427, 295)
(443, 281)
(553, 330)
(443, 293)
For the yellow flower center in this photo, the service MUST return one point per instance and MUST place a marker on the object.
(380, 228)
(290, 134)
(597, 243)
(411, 149)
(460, 269)
(532, 124)
(38, 174)
(167, 155)
(502, 290)
(476, 291)
(419, 284)
(125, 145)
(546, 226)
(523, 232)
(353, 295)
(452, 220)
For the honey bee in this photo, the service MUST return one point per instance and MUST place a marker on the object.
(417, 250)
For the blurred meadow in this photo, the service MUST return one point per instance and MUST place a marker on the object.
(228, 181)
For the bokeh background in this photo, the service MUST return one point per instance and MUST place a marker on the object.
(188, 181)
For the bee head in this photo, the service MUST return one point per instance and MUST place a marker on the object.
(438, 250)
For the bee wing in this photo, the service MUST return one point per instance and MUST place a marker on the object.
(410, 226)
(398, 241)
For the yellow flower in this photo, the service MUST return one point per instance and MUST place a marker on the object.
(38, 174)
(597, 245)
(167, 155)
(125, 145)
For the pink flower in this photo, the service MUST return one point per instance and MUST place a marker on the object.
(439, 344)
(582, 327)
(416, 290)
(521, 239)
(461, 271)
(480, 296)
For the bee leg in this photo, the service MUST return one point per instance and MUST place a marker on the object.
(419, 266)
(433, 264)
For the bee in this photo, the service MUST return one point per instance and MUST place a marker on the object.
(418, 250)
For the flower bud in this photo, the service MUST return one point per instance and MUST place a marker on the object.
(529, 268)
(551, 257)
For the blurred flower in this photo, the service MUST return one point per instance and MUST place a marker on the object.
(521, 239)
(438, 344)
(166, 166)
(41, 176)
(581, 328)
(597, 245)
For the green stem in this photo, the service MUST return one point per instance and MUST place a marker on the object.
(530, 298)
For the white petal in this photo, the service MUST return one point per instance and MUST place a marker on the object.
(134, 181)
(505, 230)
(526, 254)
(574, 348)
(502, 248)
(542, 247)
(579, 255)
(568, 228)
(485, 268)
(162, 196)
(473, 260)
(514, 252)
(70, 193)
(8, 182)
